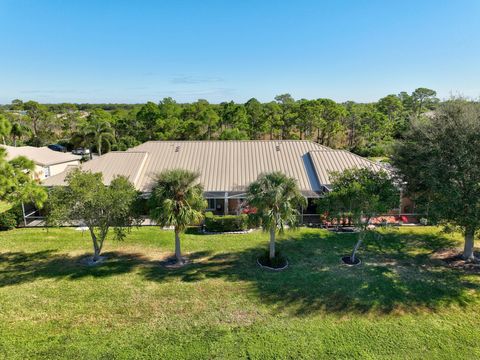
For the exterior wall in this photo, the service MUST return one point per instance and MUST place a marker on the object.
(58, 168)
(407, 206)
(39, 172)
(42, 172)
(234, 206)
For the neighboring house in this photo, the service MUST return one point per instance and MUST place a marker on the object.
(227, 167)
(47, 162)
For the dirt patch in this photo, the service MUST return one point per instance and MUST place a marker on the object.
(452, 258)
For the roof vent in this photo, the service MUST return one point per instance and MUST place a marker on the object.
(277, 147)
(177, 148)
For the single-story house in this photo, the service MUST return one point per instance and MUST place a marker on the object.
(227, 167)
(47, 162)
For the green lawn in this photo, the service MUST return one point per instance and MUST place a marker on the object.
(399, 304)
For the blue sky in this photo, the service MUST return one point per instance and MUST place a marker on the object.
(135, 51)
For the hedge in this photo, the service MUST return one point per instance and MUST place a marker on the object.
(11, 218)
(8, 221)
(225, 223)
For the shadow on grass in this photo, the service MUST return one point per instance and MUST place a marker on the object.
(21, 267)
(397, 274)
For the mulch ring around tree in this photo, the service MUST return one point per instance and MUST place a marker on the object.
(279, 263)
(347, 260)
(452, 258)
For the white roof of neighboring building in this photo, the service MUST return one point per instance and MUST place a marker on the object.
(112, 164)
(328, 161)
(42, 156)
(224, 166)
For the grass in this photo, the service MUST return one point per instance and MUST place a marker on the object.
(400, 303)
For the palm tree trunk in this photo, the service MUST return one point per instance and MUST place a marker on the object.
(99, 147)
(468, 254)
(178, 252)
(272, 243)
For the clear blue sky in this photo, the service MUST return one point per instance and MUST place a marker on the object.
(134, 51)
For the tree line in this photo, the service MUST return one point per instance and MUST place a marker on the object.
(368, 129)
(436, 163)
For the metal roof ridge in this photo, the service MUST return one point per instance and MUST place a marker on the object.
(140, 169)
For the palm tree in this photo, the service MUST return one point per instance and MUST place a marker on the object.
(177, 200)
(101, 133)
(17, 132)
(277, 200)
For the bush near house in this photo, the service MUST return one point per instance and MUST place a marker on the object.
(226, 223)
(8, 221)
(11, 218)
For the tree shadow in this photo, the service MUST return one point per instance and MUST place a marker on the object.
(397, 275)
(20, 267)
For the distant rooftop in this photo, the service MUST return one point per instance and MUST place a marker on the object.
(115, 163)
(42, 156)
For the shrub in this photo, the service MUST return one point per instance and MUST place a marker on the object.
(225, 223)
(8, 220)
(17, 212)
(254, 221)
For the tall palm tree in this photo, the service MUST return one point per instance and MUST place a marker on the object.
(17, 132)
(177, 200)
(278, 201)
(101, 134)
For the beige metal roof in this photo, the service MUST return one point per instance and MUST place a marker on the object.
(225, 166)
(231, 165)
(328, 161)
(42, 156)
(112, 164)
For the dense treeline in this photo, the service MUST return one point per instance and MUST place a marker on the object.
(367, 129)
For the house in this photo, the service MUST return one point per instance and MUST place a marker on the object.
(47, 162)
(227, 167)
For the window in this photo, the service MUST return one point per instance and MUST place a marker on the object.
(211, 204)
